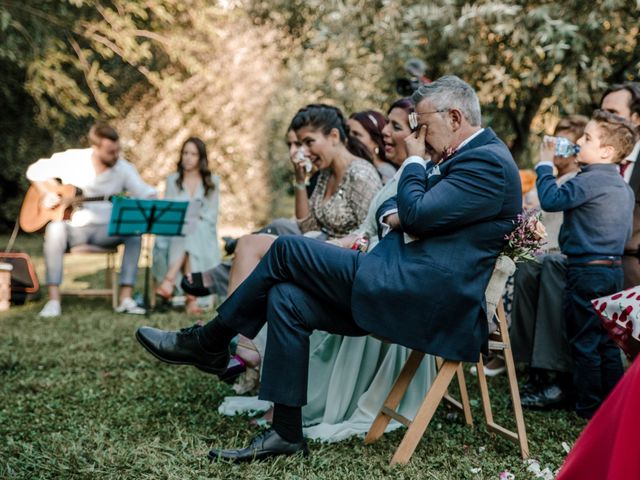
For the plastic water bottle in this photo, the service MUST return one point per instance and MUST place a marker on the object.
(566, 148)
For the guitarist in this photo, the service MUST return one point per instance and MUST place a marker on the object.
(97, 171)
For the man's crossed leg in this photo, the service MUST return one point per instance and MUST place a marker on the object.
(299, 286)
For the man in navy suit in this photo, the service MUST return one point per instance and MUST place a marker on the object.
(422, 287)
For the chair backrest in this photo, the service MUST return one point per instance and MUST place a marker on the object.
(503, 269)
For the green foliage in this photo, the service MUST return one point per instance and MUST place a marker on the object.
(161, 71)
(529, 61)
(235, 72)
(16, 150)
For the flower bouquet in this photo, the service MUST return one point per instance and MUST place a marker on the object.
(523, 243)
(527, 238)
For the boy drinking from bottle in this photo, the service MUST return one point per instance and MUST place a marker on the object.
(598, 208)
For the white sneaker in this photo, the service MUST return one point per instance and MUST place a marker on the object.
(51, 309)
(129, 305)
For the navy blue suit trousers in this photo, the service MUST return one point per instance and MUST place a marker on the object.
(300, 285)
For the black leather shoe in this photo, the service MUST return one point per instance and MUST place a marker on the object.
(196, 286)
(266, 445)
(182, 348)
(547, 398)
(530, 387)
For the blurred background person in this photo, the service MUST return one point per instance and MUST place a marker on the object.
(529, 193)
(198, 249)
(367, 126)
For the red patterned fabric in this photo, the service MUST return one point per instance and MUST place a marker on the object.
(608, 448)
(620, 315)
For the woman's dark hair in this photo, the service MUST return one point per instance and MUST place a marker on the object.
(373, 122)
(405, 104)
(325, 118)
(203, 166)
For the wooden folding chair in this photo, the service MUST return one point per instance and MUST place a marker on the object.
(111, 285)
(498, 341)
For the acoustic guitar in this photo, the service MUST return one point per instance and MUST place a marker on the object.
(35, 216)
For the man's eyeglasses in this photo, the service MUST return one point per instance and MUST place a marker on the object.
(413, 117)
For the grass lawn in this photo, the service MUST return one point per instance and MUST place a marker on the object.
(79, 398)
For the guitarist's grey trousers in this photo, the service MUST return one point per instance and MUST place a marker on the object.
(59, 237)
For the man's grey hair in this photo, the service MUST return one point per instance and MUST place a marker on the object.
(451, 92)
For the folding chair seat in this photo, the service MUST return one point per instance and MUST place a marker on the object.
(447, 369)
(111, 285)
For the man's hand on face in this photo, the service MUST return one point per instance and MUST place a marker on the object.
(415, 143)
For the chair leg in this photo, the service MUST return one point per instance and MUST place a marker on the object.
(425, 413)
(484, 392)
(114, 281)
(392, 401)
(464, 396)
(152, 288)
(107, 273)
(517, 406)
(513, 383)
(463, 405)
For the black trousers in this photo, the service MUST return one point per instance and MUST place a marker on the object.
(598, 365)
(538, 329)
(299, 286)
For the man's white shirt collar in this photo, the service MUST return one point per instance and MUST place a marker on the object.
(633, 156)
(468, 139)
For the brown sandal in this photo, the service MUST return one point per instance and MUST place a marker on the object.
(166, 295)
(191, 306)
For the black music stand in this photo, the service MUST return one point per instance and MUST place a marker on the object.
(134, 217)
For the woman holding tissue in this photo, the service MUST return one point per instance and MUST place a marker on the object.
(198, 248)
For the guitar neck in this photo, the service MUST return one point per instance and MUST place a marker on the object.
(82, 199)
(93, 199)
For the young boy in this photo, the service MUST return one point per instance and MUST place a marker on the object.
(598, 208)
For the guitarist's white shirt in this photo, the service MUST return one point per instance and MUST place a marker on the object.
(76, 168)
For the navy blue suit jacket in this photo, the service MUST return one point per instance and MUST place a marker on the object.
(429, 294)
